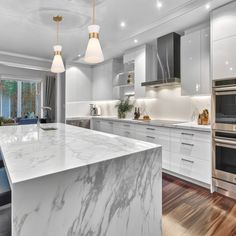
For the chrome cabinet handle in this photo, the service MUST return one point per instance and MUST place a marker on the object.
(127, 125)
(151, 137)
(188, 144)
(187, 134)
(150, 129)
(183, 159)
(111, 123)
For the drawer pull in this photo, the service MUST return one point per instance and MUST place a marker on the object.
(150, 129)
(151, 137)
(98, 121)
(187, 160)
(187, 134)
(188, 144)
(127, 132)
(111, 123)
(127, 125)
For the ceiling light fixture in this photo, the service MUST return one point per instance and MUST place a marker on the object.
(57, 64)
(159, 4)
(123, 24)
(94, 53)
(208, 6)
(135, 41)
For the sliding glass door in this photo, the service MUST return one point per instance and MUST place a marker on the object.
(19, 98)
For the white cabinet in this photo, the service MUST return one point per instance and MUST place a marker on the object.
(224, 58)
(103, 75)
(223, 22)
(195, 62)
(184, 152)
(143, 67)
(191, 154)
(102, 81)
(78, 83)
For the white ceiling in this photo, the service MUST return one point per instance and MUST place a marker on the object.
(26, 26)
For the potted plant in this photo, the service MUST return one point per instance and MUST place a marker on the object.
(123, 107)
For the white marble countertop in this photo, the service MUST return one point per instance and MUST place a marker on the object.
(162, 123)
(30, 152)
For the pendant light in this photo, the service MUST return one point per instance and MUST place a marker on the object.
(57, 64)
(94, 53)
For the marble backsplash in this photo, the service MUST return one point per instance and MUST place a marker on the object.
(162, 103)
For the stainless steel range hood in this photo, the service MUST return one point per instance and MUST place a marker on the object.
(168, 61)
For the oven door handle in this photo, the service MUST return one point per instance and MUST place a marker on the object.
(225, 93)
(224, 89)
(225, 143)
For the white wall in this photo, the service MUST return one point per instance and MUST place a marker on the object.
(163, 103)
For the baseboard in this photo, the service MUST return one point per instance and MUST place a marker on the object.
(204, 185)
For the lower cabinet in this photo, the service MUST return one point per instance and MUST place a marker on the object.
(184, 152)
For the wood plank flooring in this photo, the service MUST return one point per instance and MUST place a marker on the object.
(190, 210)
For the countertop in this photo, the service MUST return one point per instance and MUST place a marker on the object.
(161, 123)
(30, 152)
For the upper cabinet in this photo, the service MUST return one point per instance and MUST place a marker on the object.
(195, 63)
(141, 57)
(103, 74)
(224, 22)
(223, 25)
(78, 83)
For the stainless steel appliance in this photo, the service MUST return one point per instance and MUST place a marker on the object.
(224, 136)
(168, 61)
(95, 110)
(224, 105)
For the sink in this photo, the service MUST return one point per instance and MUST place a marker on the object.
(48, 128)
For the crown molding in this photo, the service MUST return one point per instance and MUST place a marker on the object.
(4, 53)
(24, 66)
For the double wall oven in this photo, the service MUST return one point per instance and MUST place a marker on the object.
(224, 136)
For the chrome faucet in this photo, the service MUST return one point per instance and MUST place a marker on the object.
(45, 108)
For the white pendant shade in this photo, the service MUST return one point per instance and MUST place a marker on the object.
(57, 64)
(94, 53)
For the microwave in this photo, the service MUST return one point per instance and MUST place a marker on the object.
(224, 105)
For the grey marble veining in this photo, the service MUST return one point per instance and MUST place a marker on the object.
(117, 197)
(30, 152)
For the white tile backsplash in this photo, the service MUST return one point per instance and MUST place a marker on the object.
(162, 103)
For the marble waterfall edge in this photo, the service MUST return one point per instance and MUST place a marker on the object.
(117, 197)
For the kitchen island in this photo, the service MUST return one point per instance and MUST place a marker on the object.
(73, 181)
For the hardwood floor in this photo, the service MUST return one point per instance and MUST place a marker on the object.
(190, 210)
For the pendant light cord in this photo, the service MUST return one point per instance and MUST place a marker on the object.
(57, 32)
(94, 4)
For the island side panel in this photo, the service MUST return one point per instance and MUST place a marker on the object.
(122, 196)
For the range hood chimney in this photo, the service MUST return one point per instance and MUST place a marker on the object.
(168, 61)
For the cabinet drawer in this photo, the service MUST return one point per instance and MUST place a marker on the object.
(183, 135)
(191, 167)
(152, 129)
(164, 141)
(191, 148)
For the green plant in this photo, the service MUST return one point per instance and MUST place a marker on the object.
(123, 107)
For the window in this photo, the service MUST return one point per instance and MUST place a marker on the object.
(19, 98)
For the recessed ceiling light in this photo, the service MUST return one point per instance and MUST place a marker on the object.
(231, 68)
(122, 24)
(208, 6)
(135, 41)
(159, 4)
(79, 55)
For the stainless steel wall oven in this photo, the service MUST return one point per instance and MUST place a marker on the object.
(224, 136)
